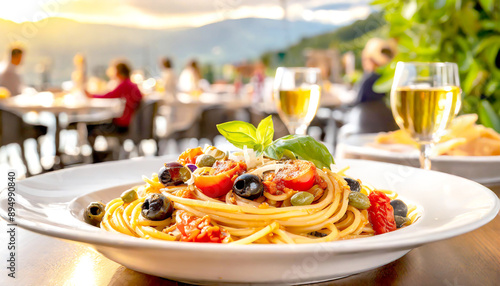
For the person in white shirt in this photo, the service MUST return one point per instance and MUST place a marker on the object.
(79, 74)
(168, 77)
(189, 79)
(9, 78)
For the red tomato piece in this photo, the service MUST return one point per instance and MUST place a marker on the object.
(189, 156)
(221, 181)
(195, 229)
(298, 175)
(381, 213)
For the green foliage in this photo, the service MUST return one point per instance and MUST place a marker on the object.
(463, 31)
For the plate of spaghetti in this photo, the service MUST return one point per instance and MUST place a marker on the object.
(278, 202)
(280, 210)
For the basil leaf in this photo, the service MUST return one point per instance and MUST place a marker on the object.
(265, 132)
(239, 133)
(302, 146)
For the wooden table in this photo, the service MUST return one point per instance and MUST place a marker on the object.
(469, 259)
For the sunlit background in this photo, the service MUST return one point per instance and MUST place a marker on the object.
(70, 46)
(215, 32)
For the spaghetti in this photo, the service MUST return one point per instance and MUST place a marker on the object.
(274, 216)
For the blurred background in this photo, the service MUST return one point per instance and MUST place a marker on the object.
(220, 34)
(232, 49)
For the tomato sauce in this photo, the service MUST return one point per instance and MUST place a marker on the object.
(195, 229)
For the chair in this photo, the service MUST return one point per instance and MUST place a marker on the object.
(368, 117)
(142, 125)
(143, 122)
(209, 119)
(13, 130)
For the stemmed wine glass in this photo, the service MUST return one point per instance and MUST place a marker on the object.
(425, 97)
(296, 95)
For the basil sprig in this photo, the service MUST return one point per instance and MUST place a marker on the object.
(260, 139)
(302, 146)
(242, 134)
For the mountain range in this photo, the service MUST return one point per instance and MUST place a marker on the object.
(57, 40)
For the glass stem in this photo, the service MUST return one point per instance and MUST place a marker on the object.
(425, 152)
(299, 129)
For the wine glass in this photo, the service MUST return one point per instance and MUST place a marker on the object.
(296, 96)
(425, 97)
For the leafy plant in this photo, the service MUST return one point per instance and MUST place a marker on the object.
(463, 31)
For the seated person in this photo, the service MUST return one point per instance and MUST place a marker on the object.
(9, 78)
(126, 90)
(371, 114)
(377, 53)
(169, 78)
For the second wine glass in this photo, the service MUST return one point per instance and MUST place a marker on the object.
(425, 97)
(297, 95)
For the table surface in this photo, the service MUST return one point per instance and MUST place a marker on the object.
(469, 259)
(97, 108)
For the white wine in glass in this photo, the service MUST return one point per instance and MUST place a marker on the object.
(425, 97)
(297, 94)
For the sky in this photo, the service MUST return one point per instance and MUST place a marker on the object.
(156, 14)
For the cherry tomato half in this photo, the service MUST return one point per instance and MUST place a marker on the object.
(221, 182)
(380, 213)
(298, 175)
(189, 156)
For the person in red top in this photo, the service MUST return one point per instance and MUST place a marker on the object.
(126, 90)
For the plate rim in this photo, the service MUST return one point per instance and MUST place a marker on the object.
(383, 153)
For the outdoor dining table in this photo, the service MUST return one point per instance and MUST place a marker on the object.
(469, 259)
(182, 111)
(81, 111)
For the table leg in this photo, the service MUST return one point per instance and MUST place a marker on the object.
(58, 163)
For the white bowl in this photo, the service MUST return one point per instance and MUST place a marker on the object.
(53, 203)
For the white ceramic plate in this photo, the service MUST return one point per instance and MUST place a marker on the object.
(482, 169)
(53, 204)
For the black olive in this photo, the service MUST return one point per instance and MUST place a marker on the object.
(401, 221)
(191, 167)
(318, 234)
(157, 207)
(173, 173)
(399, 207)
(354, 185)
(248, 186)
(94, 213)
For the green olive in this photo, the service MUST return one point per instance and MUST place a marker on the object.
(214, 152)
(205, 161)
(401, 221)
(302, 199)
(287, 154)
(94, 213)
(184, 174)
(359, 200)
(129, 196)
